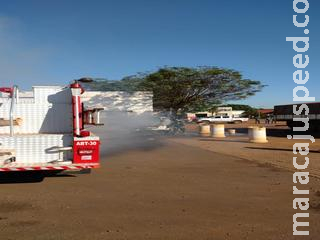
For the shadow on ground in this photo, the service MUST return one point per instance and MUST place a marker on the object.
(29, 176)
(273, 132)
(280, 149)
(209, 139)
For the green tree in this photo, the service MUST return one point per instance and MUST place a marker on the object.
(186, 89)
(181, 88)
(248, 110)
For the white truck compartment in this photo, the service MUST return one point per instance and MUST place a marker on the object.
(44, 138)
(48, 111)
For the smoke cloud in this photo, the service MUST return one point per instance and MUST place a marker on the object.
(125, 131)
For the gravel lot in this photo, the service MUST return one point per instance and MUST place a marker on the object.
(175, 188)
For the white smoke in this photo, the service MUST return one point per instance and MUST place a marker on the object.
(124, 131)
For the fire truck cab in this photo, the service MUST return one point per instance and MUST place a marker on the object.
(45, 130)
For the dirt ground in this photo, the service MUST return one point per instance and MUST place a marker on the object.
(277, 152)
(172, 190)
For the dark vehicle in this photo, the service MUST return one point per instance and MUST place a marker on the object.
(285, 113)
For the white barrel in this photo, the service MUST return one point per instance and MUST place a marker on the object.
(205, 130)
(257, 134)
(218, 131)
(231, 131)
(250, 132)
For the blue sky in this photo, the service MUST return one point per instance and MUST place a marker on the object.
(53, 42)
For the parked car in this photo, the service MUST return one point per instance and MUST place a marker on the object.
(222, 119)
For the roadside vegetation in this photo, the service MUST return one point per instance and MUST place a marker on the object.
(188, 89)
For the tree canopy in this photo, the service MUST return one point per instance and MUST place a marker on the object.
(182, 88)
(188, 88)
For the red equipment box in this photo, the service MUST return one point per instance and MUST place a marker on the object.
(86, 150)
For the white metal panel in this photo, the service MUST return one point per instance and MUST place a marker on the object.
(40, 118)
(37, 148)
(52, 94)
(50, 111)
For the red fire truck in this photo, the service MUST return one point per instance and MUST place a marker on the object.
(45, 129)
